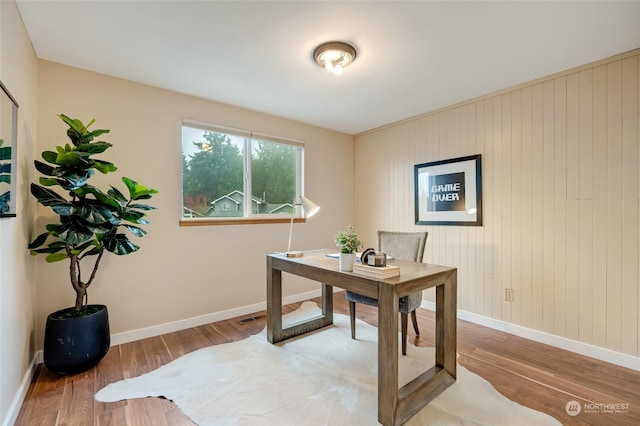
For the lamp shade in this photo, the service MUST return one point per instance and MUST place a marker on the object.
(309, 208)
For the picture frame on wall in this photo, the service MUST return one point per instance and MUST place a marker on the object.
(8, 152)
(449, 192)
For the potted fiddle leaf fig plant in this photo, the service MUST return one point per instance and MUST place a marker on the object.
(89, 223)
(349, 243)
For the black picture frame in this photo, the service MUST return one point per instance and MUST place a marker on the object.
(8, 152)
(449, 192)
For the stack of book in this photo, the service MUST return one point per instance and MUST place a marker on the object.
(381, 272)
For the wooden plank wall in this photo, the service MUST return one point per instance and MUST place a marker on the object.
(560, 161)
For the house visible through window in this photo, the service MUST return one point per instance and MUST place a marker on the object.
(232, 173)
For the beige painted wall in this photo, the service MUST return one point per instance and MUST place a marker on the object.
(18, 69)
(560, 162)
(181, 272)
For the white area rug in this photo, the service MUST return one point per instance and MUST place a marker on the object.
(323, 378)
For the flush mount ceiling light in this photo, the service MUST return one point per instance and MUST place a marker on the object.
(334, 56)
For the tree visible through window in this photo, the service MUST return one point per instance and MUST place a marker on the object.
(219, 180)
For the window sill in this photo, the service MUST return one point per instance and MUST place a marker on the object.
(238, 221)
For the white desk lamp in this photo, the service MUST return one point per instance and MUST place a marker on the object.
(309, 208)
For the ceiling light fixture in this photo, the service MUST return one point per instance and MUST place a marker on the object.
(334, 56)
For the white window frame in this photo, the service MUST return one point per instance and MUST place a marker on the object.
(249, 138)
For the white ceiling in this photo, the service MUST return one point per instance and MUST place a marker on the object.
(413, 57)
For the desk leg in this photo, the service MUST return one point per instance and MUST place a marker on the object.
(274, 303)
(275, 332)
(446, 311)
(387, 354)
(327, 303)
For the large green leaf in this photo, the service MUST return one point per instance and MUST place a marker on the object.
(137, 191)
(81, 250)
(138, 232)
(86, 245)
(74, 179)
(83, 225)
(74, 233)
(53, 247)
(94, 147)
(50, 181)
(132, 216)
(95, 212)
(39, 240)
(93, 134)
(47, 197)
(73, 159)
(56, 257)
(52, 228)
(119, 244)
(99, 195)
(90, 189)
(90, 248)
(75, 124)
(52, 199)
(94, 251)
(104, 166)
(118, 196)
(45, 250)
(78, 132)
(43, 168)
(141, 207)
(66, 209)
(50, 156)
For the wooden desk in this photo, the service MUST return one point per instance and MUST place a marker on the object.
(395, 406)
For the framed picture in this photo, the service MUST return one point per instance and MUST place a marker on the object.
(449, 192)
(8, 151)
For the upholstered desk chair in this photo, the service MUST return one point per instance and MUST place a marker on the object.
(402, 246)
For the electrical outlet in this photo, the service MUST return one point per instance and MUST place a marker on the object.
(508, 294)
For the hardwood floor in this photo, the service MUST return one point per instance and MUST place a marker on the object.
(538, 376)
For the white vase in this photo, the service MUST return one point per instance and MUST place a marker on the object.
(346, 261)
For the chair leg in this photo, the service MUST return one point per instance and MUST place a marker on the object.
(352, 317)
(414, 320)
(403, 321)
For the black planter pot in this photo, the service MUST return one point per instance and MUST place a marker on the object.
(76, 344)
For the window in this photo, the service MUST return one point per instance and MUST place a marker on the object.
(236, 174)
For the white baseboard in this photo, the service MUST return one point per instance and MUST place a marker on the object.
(18, 399)
(603, 354)
(170, 327)
(586, 349)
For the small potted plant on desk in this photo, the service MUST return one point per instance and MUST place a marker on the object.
(349, 244)
(90, 221)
